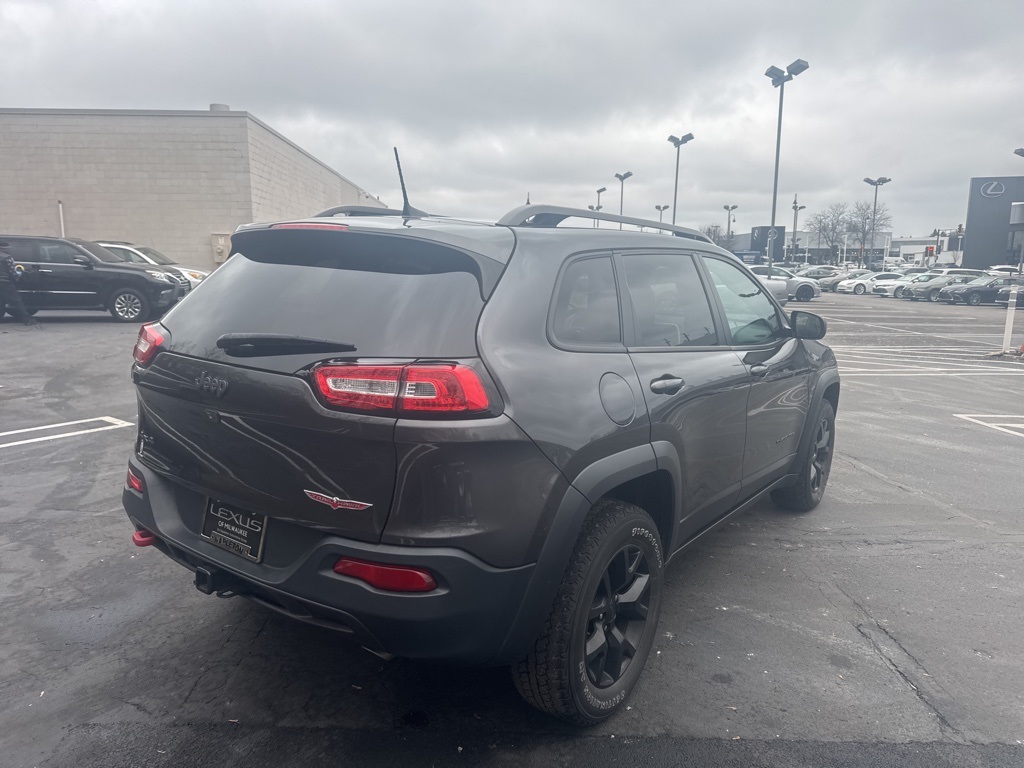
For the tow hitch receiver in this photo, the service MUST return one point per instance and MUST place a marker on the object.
(210, 581)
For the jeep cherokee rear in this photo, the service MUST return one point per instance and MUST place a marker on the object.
(473, 443)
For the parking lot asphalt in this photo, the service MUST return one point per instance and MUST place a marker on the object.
(884, 628)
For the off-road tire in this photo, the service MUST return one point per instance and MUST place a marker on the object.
(815, 464)
(859, 290)
(555, 677)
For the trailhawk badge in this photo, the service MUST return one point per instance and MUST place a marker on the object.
(335, 503)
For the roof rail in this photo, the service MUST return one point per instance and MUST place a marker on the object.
(357, 210)
(553, 215)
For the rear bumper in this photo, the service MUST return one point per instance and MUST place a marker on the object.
(467, 619)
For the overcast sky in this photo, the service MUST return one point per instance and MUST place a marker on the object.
(490, 101)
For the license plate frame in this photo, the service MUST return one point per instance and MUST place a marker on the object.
(234, 530)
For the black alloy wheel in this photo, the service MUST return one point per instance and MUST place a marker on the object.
(974, 298)
(814, 465)
(603, 623)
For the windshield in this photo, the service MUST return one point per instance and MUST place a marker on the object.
(100, 252)
(155, 255)
(983, 281)
(923, 278)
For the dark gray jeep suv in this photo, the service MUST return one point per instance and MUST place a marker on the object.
(477, 443)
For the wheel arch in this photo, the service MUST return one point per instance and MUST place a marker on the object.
(633, 476)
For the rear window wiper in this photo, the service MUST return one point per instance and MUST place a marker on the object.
(266, 344)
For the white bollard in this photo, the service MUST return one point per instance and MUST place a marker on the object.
(1011, 307)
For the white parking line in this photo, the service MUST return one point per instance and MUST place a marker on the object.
(109, 421)
(1014, 427)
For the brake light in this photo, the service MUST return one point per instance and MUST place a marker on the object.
(392, 578)
(412, 389)
(442, 389)
(151, 336)
(362, 387)
(309, 225)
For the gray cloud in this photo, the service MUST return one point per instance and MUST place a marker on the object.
(489, 102)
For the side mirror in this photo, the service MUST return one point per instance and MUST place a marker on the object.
(807, 325)
(82, 261)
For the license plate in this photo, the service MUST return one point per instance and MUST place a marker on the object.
(235, 529)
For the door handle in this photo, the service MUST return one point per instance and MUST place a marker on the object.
(667, 385)
(44, 270)
(759, 370)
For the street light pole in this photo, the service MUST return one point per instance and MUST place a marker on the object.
(728, 223)
(779, 80)
(876, 183)
(622, 189)
(661, 211)
(597, 207)
(677, 142)
(796, 212)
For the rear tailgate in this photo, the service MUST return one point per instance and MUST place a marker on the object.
(251, 429)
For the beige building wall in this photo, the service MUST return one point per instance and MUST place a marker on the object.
(171, 180)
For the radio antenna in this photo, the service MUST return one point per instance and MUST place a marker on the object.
(407, 210)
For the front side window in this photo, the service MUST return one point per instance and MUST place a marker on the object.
(587, 305)
(751, 315)
(670, 307)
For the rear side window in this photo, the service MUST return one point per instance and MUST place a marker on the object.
(586, 307)
(22, 250)
(670, 308)
(387, 296)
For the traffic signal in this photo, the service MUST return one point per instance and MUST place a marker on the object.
(938, 248)
(959, 229)
(929, 252)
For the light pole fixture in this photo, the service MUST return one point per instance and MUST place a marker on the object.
(796, 212)
(597, 207)
(661, 211)
(1019, 151)
(876, 183)
(677, 142)
(622, 189)
(729, 216)
(779, 80)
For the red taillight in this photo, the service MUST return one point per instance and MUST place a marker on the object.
(308, 225)
(134, 482)
(143, 538)
(411, 389)
(392, 578)
(442, 389)
(362, 387)
(151, 336)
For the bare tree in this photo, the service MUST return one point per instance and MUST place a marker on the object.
(830, 226)
(859, 223)
(714, 232)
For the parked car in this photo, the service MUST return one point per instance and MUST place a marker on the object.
(892, 287)
(69, 273)
(818, 272)
(778, 287)
(143, 254)
(829, 283)
(350, 459)
(928, 285)
(1005, 269)
(800, 288)
(1003, 297)
(981, 290)
(861, 284)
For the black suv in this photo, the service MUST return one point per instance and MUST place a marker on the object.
(471, 442)
(68, 273)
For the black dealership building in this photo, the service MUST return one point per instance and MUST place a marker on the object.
(991, 238)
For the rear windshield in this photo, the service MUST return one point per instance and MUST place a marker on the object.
(387, 296)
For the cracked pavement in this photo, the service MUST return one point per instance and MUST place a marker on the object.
(884, 628)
